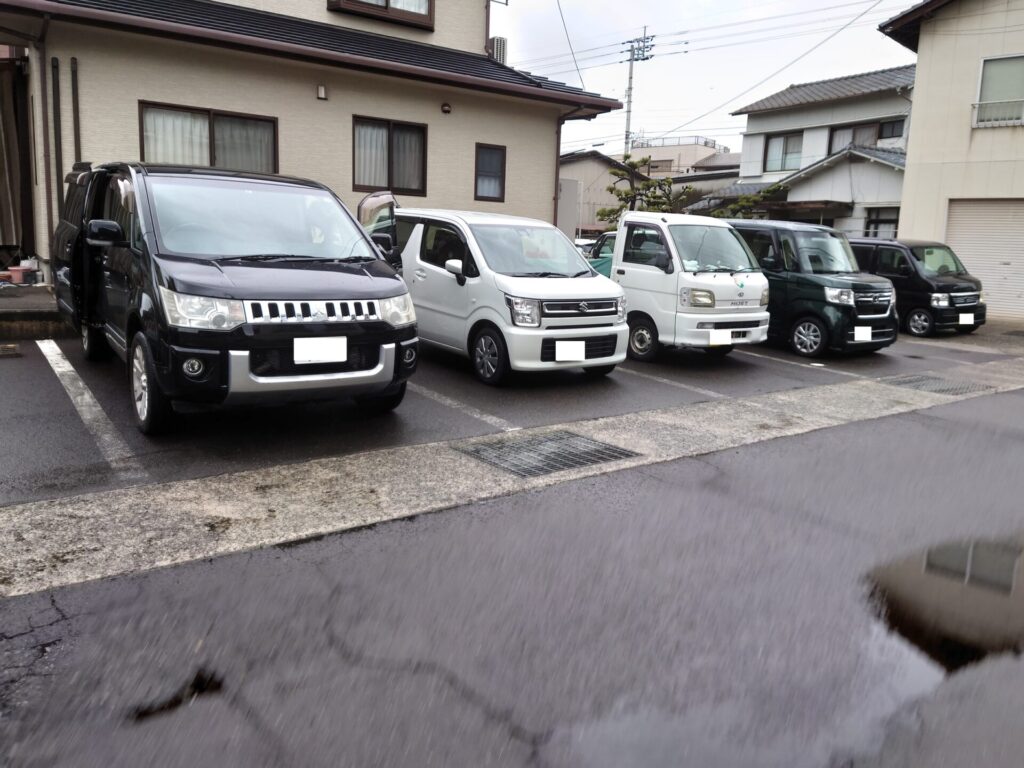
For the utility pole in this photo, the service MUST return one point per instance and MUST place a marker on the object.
(639, 50)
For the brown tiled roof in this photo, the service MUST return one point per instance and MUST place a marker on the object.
(276, 34)
(848, 87)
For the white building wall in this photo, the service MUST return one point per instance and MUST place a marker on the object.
(117, 70)
(875, 184)
(594, 178)
(948, 158)
(816, 121)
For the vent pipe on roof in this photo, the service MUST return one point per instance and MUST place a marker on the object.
(498, 48)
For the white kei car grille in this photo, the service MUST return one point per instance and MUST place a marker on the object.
(274, 312)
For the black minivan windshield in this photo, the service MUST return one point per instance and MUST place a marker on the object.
(938, 260)
(247, 219)
(824, 253)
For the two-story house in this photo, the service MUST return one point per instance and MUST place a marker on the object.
(359, 94)
(837, 146)
(965, 165)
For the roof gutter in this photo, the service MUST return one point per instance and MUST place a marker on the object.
(111, 20)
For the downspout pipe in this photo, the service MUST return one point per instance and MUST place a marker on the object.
(58, 142)
(75, 113)
(40, 46)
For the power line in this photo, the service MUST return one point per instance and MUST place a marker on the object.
(780, 70)
(569, 41)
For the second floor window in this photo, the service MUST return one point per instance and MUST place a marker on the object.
(782, 153)
(187, 136)
(419, 13)
(389, 155)
(1001, 99)
(865, 134)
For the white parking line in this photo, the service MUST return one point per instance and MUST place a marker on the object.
(818, 367)
(114, 449)
(669, 382)
(469, 410)
(959, 346)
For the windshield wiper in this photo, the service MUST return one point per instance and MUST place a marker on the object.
(539, 274)
(582, 272)
(712, 270)
(268, 257)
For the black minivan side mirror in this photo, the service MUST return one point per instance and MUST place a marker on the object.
(904, 269)
(383, 241)
(104, 233)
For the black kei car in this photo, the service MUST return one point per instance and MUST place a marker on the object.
(933, 289)
(819, 297)
(222, 287)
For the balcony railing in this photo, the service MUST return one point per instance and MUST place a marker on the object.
(995, 114)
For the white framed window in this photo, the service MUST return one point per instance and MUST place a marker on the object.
(192, 136)
(782, 153)
(1000, 93)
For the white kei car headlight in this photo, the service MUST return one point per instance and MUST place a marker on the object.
(940, 299)
(201, 312)
(620, 315)
(525, 312)
(764, 297)
(398, 311)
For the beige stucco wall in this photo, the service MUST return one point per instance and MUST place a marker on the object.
(117, 70)
(947, 158)
(458, 24)
(594, 179)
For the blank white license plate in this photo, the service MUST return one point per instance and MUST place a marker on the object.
(862, 333)
(719, 337)
(966, 318)
(570, 351)
(333, 349)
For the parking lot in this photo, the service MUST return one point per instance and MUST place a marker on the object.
(60, 447)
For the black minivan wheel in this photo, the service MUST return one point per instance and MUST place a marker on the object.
(150, 406)
(94, 343)
(643, 339)
(809, 338)
(490, 356)
(920, 322)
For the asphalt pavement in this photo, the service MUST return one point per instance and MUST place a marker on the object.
(711, 611)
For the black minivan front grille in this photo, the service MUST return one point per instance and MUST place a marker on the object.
(280, 361)
(596, 347)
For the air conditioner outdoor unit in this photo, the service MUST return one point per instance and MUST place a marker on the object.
(499, 49)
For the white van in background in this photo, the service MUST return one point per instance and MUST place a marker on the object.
(690, 281)
(513, 294)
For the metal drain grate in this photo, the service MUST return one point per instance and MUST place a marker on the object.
(543, 454)
(936, 385)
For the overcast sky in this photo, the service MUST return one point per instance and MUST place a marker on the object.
(706, 53)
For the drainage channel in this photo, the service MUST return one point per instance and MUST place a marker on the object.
(536, 455)
(937, 385)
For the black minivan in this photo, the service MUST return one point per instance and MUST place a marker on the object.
(219, 287)
(819, 298)
(933, 289)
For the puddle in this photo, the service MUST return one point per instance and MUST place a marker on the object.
(957, 602)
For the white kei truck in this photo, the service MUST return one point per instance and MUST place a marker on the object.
(689, 281)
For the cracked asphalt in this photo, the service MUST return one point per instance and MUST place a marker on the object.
(707, 611)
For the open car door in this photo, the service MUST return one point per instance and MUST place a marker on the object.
(376, 214)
